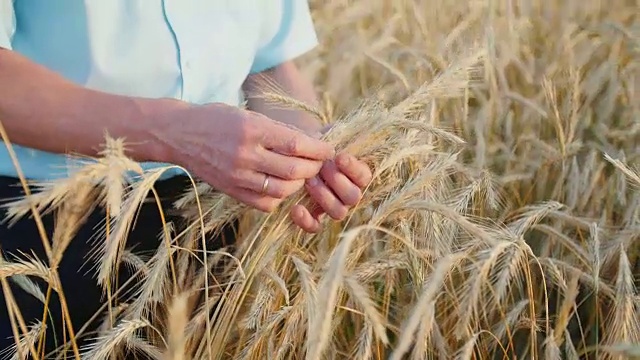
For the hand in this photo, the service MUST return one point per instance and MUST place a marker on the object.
(233, 150)
(337, 187)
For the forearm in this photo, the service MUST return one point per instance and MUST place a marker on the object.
(42, 110)
(290, 80)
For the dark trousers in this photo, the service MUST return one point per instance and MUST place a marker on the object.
(83, 295)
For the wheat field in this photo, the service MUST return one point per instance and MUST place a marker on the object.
(502, 221)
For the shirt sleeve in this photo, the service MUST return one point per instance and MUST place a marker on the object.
(7, 23)
(295, 35)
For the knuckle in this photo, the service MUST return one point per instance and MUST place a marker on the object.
(293, 145)
(242, 156)
(245, 126)
(293, 171)
(237, 159)
(250, 132)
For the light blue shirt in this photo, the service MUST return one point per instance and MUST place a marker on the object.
(199, 51)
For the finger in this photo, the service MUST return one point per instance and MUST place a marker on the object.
(357, 171)
(295, 143)
(326, 199)
(275, 188)
(348, 192)
(259, 202)
(286, 167)
(316, 211)
(301, 216)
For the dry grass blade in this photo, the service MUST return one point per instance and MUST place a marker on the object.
(110, 343)
(178, 319)
(629, 173)
(329, 286)
(427, 300)
(20, 351)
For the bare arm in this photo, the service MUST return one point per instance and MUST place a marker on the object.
(296, 85)
(229, 148)
(42, 110)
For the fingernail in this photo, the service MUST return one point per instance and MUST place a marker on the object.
(314, 181)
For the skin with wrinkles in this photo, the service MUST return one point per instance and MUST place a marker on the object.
(245, 146)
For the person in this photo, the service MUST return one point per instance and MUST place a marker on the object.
(168, 76)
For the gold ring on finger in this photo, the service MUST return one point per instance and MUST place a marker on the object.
(265, 184)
